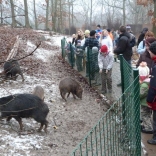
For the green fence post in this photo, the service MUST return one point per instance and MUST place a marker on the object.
(122, 86)
(89, 71)
(71, 56)
(137, 112)
(122, 72)
(62, 47)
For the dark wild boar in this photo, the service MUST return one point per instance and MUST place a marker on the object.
(20, 106)
(11, 69)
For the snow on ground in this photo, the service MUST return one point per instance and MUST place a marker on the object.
(12, 141)
(73, 119)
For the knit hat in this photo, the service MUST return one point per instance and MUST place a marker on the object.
(87, 32)
(152, 47)
(92, 32)
(104, 49)
(98, 25)
(150, 40)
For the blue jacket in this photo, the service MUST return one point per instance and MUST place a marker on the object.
(98, 33)
(141, 48)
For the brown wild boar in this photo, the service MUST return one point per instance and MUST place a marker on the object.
(69, 85)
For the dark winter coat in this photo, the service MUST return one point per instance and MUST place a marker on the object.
(146, 58)
(151, 97)
(91, 42)
(123, 46)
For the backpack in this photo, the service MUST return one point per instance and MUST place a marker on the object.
(132, 40)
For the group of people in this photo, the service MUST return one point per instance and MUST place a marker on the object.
(108, 43)
(146, 48)
(104, 44)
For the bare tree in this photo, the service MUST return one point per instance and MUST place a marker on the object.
(47, 15)
(27, 25)
(36, 24)
(13, 13)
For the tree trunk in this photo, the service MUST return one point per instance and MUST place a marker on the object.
(91, 4)
(154, 25)
(13, 14)
(1, 13)
(47, 13)
(60, 18)
(27, 25)
(36, 24)
(54, 2)
(69, 15)
(52, 13)
(72, 15)
(124, 12)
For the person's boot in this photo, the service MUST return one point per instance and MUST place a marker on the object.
(152, 141)
(147, 131)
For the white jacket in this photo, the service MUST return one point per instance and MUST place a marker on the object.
(105, 62)
(108, 42)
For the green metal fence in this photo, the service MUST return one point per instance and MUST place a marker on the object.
(85, 61)
(117, 133)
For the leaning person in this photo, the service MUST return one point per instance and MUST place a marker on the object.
(105, 62)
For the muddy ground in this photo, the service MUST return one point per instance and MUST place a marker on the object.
(69, 121)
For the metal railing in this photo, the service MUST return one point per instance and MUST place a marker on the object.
(84, 61)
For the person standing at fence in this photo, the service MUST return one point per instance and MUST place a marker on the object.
(141, 47)
(151, 97)
(79, 56)
(90, 43)
(145, 111)
(146, 56)
(79, 52)
(144, 86)
(70, 51)
(79, 36)
(87, 34)
(105, 62)
(123, 46)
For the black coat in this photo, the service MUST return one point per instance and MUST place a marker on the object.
(123, 46)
